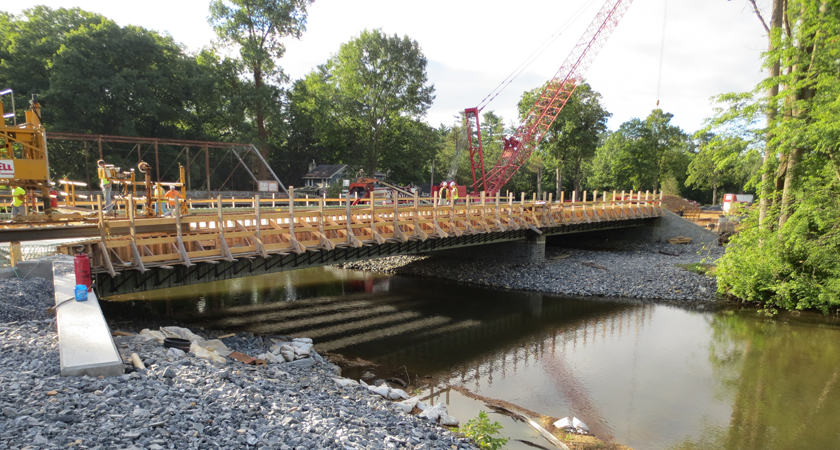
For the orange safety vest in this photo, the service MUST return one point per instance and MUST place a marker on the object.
(172, 194)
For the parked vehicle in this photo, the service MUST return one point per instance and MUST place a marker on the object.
(730, 199)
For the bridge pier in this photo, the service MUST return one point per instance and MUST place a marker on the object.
(530, 250)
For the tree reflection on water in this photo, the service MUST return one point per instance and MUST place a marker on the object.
(781, 377)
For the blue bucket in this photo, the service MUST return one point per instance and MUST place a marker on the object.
(81, 292)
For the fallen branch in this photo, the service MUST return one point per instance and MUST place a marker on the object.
(596, 266)
(669, 254)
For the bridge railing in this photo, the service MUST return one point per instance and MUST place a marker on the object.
(301, 225)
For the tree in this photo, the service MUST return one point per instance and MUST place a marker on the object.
(258, 28)
(724, 161)
(121, 81)
(642, 155)
(574, 135)
(94, 76)
(379, 80)
(364, 108)
(28, 44)
(790, 245)
(774, 34)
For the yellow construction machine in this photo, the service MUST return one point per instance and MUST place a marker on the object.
(23, 151)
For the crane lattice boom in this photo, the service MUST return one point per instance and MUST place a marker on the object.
(550, 102)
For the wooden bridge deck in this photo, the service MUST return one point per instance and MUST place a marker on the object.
(218, 236)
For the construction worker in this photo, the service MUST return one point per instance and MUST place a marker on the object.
(453, 194)
(106, 183)
(443, 192)
(53, 198)
(18, 198)
(159, 195)
(171, 195)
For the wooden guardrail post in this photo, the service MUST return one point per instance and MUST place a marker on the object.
(438, 230)
(352, 240)
(497, 220)
(373, 233)
(106, 258)
(418, 231)
(326, 243)
(398, 234)
(179, 239)
(15, 253)
(562, 207)
(224, 250)
(549, 205)
(621, 205)
(468, 228)
(132, 231)
(604, 205)
(258, 228)
(512, 222)
(294, 244)
(585, 213)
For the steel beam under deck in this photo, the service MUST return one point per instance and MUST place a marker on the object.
(130, 281)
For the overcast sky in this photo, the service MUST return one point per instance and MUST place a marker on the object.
(710, 46)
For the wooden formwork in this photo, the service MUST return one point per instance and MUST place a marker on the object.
(217, 235)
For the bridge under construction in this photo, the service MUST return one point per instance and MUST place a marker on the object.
(133, 253)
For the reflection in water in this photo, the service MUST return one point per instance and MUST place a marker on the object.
(782, 379)
(648, 376)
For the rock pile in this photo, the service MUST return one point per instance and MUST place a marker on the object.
(181, 400)
(632, 270)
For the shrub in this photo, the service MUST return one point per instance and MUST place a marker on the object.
(481, 431)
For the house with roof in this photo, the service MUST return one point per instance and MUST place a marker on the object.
(322, 176)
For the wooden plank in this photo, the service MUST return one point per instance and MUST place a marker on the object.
(224, 250)
(135, 253)
(182, 250)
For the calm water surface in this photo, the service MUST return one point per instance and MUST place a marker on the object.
(647, 376)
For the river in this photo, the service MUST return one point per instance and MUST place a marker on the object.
(644, 375)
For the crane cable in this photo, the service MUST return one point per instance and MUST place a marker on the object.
(661, 55)
(533, 56)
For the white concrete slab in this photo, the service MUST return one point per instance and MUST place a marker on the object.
(85, 343)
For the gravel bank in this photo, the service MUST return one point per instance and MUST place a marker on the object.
(185, 401)
(631, 270)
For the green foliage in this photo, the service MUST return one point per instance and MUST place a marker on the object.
(786, 256)
(724, 161)
(772, 372)
(574, 136)
(642, 155)
(795, 267)
(698, 268)
(451, 138)
(481, 431)
(364, 107)
(258, 27)
(334, 190)
(94, 76)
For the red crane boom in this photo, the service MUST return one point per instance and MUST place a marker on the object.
(550, 102)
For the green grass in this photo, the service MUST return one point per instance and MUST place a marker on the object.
(699, 268)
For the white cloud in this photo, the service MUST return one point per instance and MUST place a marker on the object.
(711, 46)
